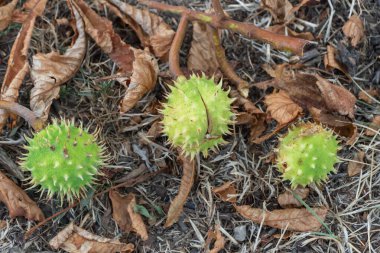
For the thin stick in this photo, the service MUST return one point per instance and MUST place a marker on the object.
(176, 46)
(13, 107)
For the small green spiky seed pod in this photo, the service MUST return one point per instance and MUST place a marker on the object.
(307, 154)
(196, 115)
(63, 159)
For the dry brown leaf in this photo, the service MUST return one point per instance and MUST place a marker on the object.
(125, 216)
(77, 240)
(331, 62)
(283, 29)
(356, 166)
(6, 12)
(281, 107)
(187, 181)
(50, 71)
(293, 219)
(202, 52)
(17, 201)
(226, 192)
(219, 240)
(363, 95)
(281, 10)
(18, 65)
(287, 200)
(354, 29)
(151, 29)
(140, 64)
(373, 127)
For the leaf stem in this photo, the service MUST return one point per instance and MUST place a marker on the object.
(176, 46)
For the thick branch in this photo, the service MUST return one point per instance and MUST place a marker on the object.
(176, 46)
(248, 30)
(23, 112)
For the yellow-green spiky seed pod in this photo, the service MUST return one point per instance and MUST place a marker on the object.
(307, 154)
(63, 159)
(197, 114)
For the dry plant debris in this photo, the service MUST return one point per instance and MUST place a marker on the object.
(6, 12)
(356, 165)
(216, 236)
(226, 192)
(354, 30)
(287, 199)
(374, 127)
(74, 239)
(331, 62)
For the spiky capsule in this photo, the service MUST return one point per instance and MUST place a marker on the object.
(307, 154)
(63, 159)
(197, 114)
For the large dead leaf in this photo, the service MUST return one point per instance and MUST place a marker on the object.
(74, 239)
(137, 63)
(226, 192)
(187, 181)
(6, 12)
(281, 107)
(151, 29)
(125, 216)
(354, 29)
(293, 219)
(216, 236)
(355, 167)
(202, 52)
(373, 127)
(17, 201)
(18, 65)
(287, 199)
(279, 9)
(50, 71)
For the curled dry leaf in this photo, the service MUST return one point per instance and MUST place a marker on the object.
(226, 192)
(219, 240)
(356, 166)
(6, 12)
(331, 62)
(50, 71)
(125, 216)
(18, 65)
(354, 29)
(293, 219)
(279, 9)
(131, 61)
(287, 199)
(187, 181)
(77, 240)
(373, 127)
(281, 107)
(151, 29)
(365, 95)
(17, 201)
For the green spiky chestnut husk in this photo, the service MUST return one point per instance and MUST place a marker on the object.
(63, 159)
(196, 115)
(307, 154)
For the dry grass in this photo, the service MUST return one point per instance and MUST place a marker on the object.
(353, 201)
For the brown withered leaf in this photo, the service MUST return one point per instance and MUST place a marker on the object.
(151, 29)
(140, 64)
(187, 181)
(287, 199)
(216, 236)
(294, 219)
(50, 71)
(355, 167)
(18, 65)
(283, 29)
(125, 216)
(363, 95)
(202, 52)
(226, 192)
(17, 201)
(6, 12)
(373, 127)
(330, 61)
(281, 107)
(279, 9)
(74, 239)
(354, 29)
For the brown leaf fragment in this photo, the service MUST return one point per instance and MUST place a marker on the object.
(77, 240)
(354, 29)
(226, 192)
(373, 127)
(151, 29)
(187, 181)
(281, 107)
(216, 236)
(365, 95)
(50, 71)
(125, 216)
(6, 12)
(17, 201)
(293, 219)
(18, 65)
(330, 61)
(279, 9)
(287, 199)
(356, 165)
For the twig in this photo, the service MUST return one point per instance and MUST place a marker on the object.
(248, 30)
(176, 46)
(13, 107)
